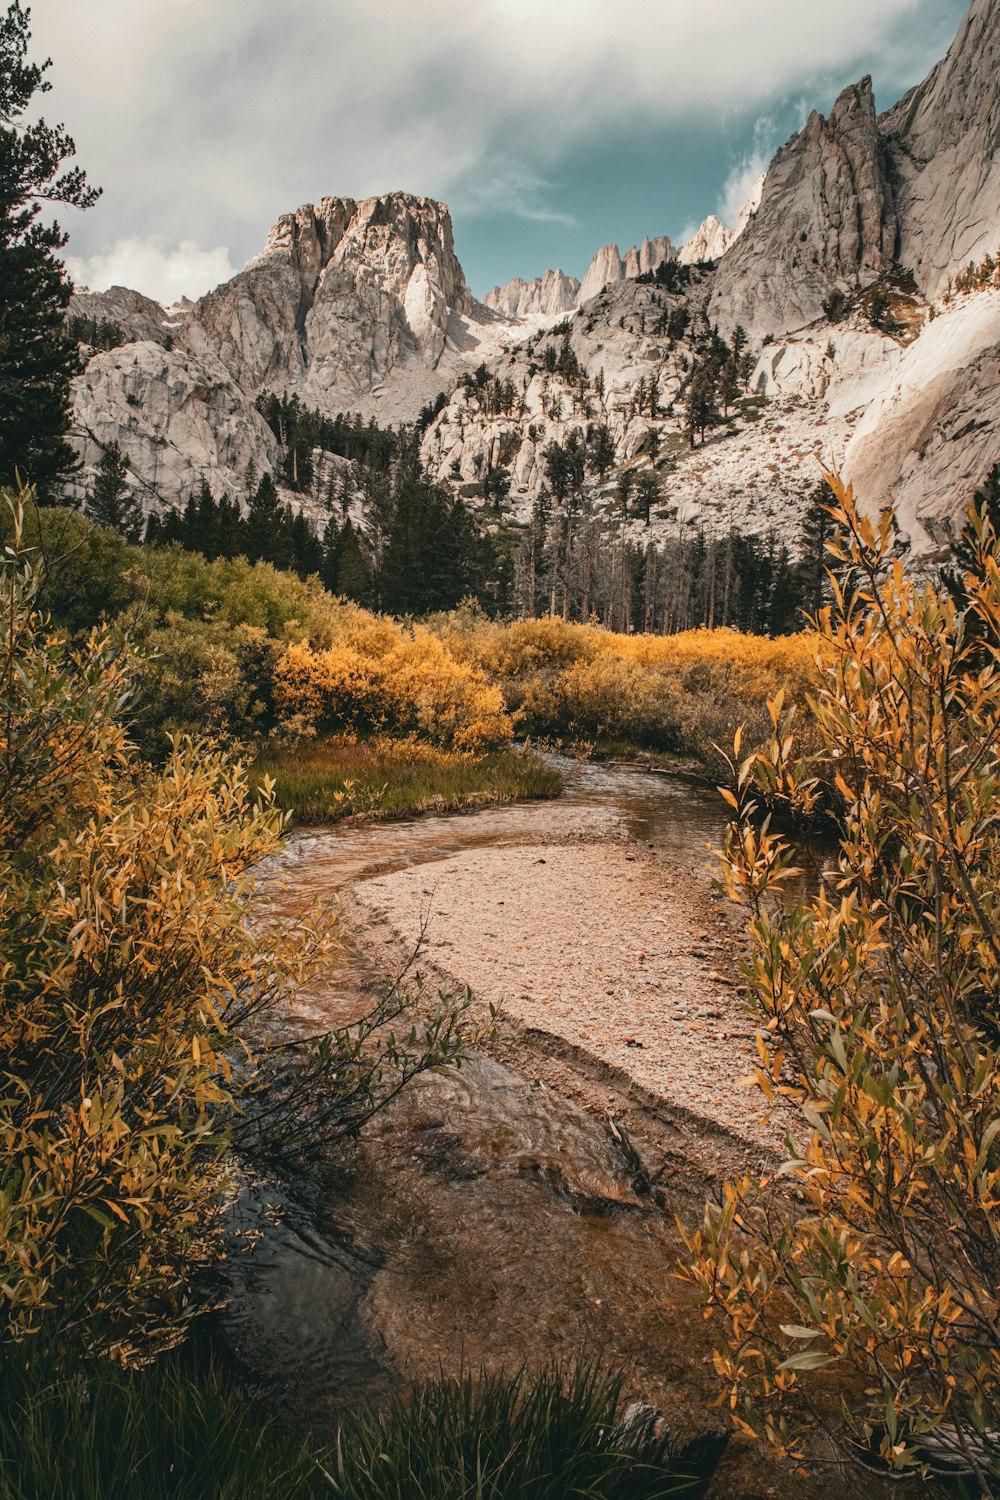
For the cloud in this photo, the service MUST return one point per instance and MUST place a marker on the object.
(217, 115)
(501, 185)
(148, 266)
(745, 173)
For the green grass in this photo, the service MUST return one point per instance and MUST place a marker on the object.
(107, 1434)
(547, 1437)
(321, 782)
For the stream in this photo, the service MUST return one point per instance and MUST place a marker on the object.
(484, 1219)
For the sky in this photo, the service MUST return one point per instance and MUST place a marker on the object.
(550, 127)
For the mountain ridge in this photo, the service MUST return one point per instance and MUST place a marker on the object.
(362, 306)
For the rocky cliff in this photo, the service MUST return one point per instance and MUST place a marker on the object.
(709, 242)
(943, 145)
(609, 266)
(178, 418)
(826, 222)
(348, 301)
(122, 315)
(547, 296)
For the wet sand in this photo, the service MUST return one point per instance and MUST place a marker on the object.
(610, 944)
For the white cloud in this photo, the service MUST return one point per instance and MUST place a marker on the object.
(213, 116)
(745, 173)
(148, 266)
(500, 185)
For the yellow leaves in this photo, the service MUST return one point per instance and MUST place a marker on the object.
(880, 1009)
(399, 681)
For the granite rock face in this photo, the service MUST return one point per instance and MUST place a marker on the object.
(179, 419)
(345, 297)
(943, 145)
(609, 266)
(711, 242)
(547, 296)
(930, 435)
(826, 221)
(135, 316)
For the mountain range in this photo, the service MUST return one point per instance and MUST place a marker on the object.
(870, 350)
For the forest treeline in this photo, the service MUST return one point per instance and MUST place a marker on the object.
(251, 651)
(392, 540)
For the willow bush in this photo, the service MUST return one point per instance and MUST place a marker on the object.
(679, 694)
(137, 975)
(866, 1267)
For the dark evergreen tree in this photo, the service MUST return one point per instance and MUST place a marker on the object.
(112, 501)
(700, 408)
(307, 549)
(784, 612)
(556, 470)
(265, 536)
(729, 385)
(346, 566)
(601, 454)
(37, 355)
(814, 561)
(647, 493)
(496, 486)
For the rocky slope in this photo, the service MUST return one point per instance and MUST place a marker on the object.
(931, 433)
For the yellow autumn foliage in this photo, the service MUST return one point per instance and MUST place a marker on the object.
(679, 693)
(868, 1262)
(381, 678)
(138, 978)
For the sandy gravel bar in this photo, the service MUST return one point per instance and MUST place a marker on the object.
(598, 944)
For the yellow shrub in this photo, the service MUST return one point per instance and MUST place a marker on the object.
(385, 678)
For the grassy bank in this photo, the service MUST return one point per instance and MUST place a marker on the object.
(167, 1432)
(321, 781)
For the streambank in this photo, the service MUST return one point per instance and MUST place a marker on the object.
(500, 1216)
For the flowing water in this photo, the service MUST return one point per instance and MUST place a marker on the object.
(483, 1220)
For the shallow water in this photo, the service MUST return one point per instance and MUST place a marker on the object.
(483, 1219)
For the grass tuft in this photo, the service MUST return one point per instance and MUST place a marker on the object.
(547, 1437)
(166, 1432)
(104, 1432)
(320, 782)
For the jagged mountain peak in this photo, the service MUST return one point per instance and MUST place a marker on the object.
(943, 141)
(546, 296)
(826, 220)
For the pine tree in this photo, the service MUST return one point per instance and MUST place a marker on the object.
(37, 355)
(701, 409)
(112, 501)
(623, 490)
(263, 526)
(817, 530)
(647, 493)
(601, 453)
(729, 385)
(351, 567)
